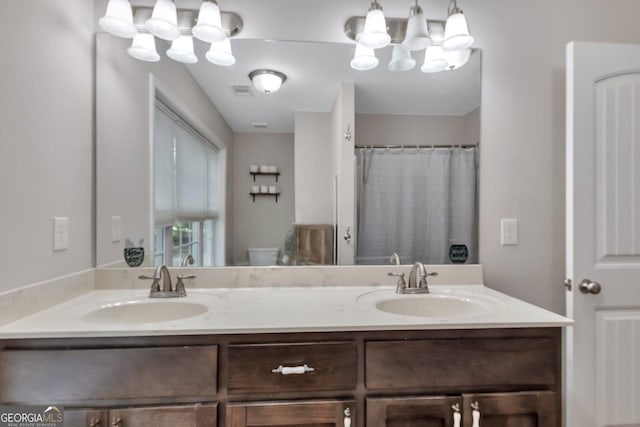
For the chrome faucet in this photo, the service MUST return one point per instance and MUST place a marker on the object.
(187, 260)
(417, 280)
(162, 273)
(395, 259)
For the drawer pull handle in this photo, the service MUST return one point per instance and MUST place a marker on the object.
(475, 415)
(94, 422)
(293, 370)
(347, 417)
(457, 417)
(116, 421)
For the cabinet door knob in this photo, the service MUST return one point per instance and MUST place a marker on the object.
(347, 417)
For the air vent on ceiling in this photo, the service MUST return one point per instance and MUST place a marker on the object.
(242, 90)
(259, 125)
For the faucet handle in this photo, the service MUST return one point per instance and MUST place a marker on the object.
(401, 283)
(180, 289)
(155, 286)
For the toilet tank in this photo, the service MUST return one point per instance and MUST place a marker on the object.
(263, 256)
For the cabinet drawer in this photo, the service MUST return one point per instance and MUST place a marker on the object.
(251, 367)
(60, 376)
(438, 364)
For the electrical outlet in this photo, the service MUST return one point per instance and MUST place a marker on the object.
(116, 229)
(509, 232)
(60, 233)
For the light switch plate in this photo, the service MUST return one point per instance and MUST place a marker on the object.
(509, 232)
(60, 233)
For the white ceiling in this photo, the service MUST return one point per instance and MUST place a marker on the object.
(315, 69)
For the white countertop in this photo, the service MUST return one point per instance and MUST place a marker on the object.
(282, 309)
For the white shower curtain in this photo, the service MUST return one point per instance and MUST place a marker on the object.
(416, 202)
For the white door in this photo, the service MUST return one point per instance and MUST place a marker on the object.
(603, 234)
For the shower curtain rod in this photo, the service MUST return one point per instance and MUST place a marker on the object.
(419, 146)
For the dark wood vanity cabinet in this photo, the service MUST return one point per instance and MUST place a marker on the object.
(345, 379)
(199, 415)
(306, 413)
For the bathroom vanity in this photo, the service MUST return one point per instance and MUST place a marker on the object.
(275, 356)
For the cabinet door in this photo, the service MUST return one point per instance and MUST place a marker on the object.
(526, 409)
(86, 418)
(412, 411)
(165, 416)
(309, 413)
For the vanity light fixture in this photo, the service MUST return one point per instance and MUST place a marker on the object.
(375, 33)
(447, 44)
(209, 25)
(456, 31)
(364, 59)
(267, 81)
(434, 59)
(401, 59)
(181, 50)
(118, 19)
(220, 53)
(164, 20)
(143, 48)
(168, 23)
(417, 35)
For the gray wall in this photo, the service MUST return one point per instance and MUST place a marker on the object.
(46, 137)
(263, 223)
(387, 129)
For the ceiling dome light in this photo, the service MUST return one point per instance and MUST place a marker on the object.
(164, 20)
(456, 31)
(267, 81)
(118, 19)
(401, 59)
(375, 33)
(364, 59)
(209, 26)
(434, 60)
(181, 50)
(143, 48)
(220, 53)
(457, 58)
(417, 35)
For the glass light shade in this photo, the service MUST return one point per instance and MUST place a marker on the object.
(456, 33)
(457, 58)
(118, 19)
(143, 48)
(181, 50)
(434, 60)
(364, 59)
(375, 33)
(417, 36)
(209, 26)
(220, 53)
(164, 20)
(401, 59)
(267, 81)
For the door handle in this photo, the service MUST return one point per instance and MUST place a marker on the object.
(589, 287)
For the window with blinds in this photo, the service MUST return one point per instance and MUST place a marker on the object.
(186, 170)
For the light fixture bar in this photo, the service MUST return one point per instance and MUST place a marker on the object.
(396, 27)
(231, 22)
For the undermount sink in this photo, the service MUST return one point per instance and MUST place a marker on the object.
(145, 311)
(441, 306)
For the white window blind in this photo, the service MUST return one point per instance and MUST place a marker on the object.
(186, 172)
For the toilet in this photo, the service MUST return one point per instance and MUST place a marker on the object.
(263, 256)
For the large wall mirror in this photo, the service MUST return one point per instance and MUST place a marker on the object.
(413, 145)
